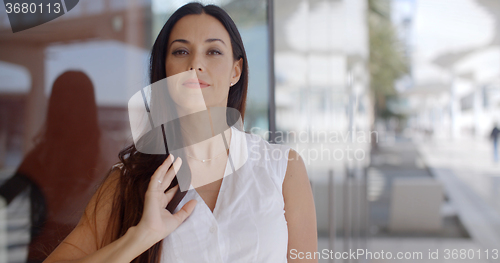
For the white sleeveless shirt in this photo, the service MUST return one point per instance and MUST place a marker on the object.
(248, 222)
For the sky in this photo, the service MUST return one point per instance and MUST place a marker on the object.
(441, 27)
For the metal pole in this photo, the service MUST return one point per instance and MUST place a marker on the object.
(355, 208)
(331, 215)
(270, 53)
(366, 209)
(347, 210)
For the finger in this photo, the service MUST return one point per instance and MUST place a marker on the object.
(171, 192)
(169, 176)
(185, 211)
(161, 170)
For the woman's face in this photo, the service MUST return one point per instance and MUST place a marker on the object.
(201, 43)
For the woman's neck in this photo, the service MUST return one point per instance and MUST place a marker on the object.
(202, 133)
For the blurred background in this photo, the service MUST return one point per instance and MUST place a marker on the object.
(392, 104)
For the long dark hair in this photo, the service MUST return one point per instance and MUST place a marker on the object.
(62, 164)
(138, 167)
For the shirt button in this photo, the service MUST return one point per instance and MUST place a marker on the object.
(213, 229)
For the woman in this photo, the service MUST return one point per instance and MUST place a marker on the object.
(61, 171)
(266, 208)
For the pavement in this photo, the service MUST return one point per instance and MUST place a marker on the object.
(471, 210)
(471, 179)
(470, 160)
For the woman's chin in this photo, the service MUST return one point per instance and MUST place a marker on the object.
(189, 107)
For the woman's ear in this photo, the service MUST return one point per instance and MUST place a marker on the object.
(236, 72)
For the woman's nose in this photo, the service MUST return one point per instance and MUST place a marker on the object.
(199, 69)
(196, 63)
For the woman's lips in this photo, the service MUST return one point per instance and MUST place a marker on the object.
(195, 83)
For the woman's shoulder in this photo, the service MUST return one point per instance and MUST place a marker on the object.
(271, 156)
(263, 144)
(259, 146)
(110, 182)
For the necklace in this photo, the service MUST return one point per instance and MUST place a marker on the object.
(206, 160)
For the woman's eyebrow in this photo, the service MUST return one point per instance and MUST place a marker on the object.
(210, 40)
(179, 40)
(214, 39)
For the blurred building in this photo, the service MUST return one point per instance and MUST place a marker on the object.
(455, 67)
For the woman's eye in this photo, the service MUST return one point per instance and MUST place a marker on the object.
(214, 52)
(179, 52)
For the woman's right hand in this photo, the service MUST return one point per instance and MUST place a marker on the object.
(157, 222)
